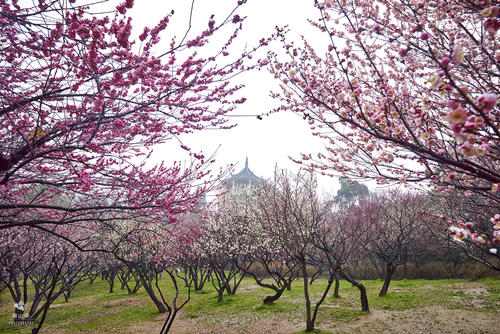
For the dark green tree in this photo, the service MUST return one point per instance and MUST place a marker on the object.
(350, 191)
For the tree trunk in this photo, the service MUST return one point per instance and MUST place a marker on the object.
(271, 299)
(67, 295)
(307, 297)
(46, 306)
(131, 290)
(111, 283)
(202, 279)
(35, 304)
(309, 325)
(364, 298)
(236, 284)
(389, 272)
(322, 299)
(168, 323)
(220, 295)
(337, 287)
(159, 305)
(362, 292)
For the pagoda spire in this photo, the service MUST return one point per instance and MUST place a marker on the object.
(246, 162)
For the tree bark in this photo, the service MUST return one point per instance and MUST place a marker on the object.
(271, 299)
(307, 297)
(168, 323)
(364, 298)
(362, 292)
(389, 272)
(337, 287)
(220, 296)
(159, 305)
(111, 282)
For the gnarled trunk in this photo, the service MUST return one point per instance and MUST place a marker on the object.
(389, 272)
(271, 299)
(150, 291)
(362, 292)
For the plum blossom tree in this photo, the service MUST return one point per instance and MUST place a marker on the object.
(407, 91)
(110, 269)
(226, 241)
(37, 268)
(291, 211)
(396, 221)
(129, 280)
(341, 240)
(189, 255)
(272, 269)
(84, 103)
(150, 252)
(251, 237)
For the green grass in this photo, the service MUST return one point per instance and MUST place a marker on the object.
(92, 308)
(493, 297)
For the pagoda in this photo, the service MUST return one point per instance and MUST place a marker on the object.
(244, 178)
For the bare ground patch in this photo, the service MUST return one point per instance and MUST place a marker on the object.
(429, 320)
(475, 295)
(236, 325)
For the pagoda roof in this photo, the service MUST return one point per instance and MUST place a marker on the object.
(244, 177)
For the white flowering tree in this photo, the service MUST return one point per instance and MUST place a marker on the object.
(228, 239)
(292, 214)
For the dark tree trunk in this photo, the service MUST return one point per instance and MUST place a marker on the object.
(158, 303)
(322, 299)
(309, 325)
(278, 287)
(337, 287)
(198, 275)
(271, 299)
(67, 295)
(111, 282)
(203, 278)
(35, 304)
(389, 272)
(307, 297)
(219, 282)
(362, 292)
(364, 298)
(233, 280)
(50, 299)
(132, 289)
(168, 323)
(220, 295)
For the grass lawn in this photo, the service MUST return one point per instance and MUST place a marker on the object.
(435, 306)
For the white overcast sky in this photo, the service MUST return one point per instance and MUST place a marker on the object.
(267, 142)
